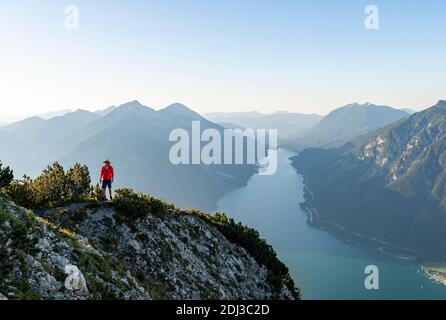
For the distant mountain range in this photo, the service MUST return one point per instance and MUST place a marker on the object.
(342, 125)
(6, 119)
(135, 138)
(9, 119)
(285, 122)
(410, 111)
(389, 185)
(105, 111)
(52, 114)
(59, 113)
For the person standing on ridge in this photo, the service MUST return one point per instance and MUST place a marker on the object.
(106, 178)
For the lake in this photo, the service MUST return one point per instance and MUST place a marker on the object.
(322, 266)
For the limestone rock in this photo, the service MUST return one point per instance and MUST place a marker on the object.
(75, 280)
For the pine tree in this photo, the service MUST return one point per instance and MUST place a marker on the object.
(50, 187)
(78, 182)
(6, 176)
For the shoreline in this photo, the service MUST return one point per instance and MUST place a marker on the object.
(435, 271)
(315, 221)
(356, 238)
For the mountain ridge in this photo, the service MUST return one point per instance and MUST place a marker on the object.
(102, 251)
(344, 124)
(285, 122)
(388, 185)
(136, 139)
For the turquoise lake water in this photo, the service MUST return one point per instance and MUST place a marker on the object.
(322, 266)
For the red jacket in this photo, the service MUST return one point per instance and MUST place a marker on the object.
(107, 174)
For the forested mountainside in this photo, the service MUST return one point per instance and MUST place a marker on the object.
(388, 186)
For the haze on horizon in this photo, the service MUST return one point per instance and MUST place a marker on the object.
(299, 56)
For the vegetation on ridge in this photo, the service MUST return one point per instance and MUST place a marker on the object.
(131, 205)
(249, 238)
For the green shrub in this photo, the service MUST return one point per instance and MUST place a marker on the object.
(21, 192)
(97, 193)
(136, 205)
(78, 182)
(52, 188)
(6, 176)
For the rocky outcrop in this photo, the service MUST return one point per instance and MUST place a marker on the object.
(37, 258)
(89, 251)
(75, 280)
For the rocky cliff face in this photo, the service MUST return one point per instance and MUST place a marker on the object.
(89, 251)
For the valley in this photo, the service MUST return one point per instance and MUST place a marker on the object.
(327, 210)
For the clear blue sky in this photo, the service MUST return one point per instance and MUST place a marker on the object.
(221, 55)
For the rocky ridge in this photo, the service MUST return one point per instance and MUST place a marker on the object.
(91, 251)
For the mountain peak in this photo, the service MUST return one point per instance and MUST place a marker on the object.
(368, 106)
(440, 106)
(53, 114)
(78, 111)
(179, 109)
(345, 123)
(26, 122)
(80, 116)
(34, 118)
(441, 103)
(131, 105)
(359, 105)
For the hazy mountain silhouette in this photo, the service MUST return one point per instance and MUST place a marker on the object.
(105, 111)
(6, 119)
(135, 138)
(81, 116)
(52, 114)
(36, 138)
(344, 124)
(285, 122)
(408, 110)
(230, 125)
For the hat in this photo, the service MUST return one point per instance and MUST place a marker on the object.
(107, 161)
